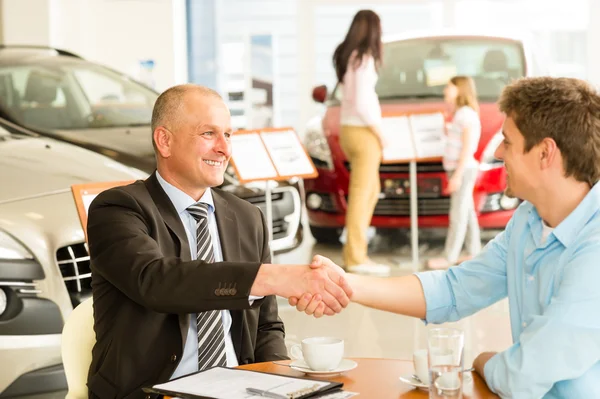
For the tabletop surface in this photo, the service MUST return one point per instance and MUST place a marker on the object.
(379, 378)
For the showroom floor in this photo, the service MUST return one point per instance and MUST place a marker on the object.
(372, 333)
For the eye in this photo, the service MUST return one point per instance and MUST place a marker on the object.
(209, 133)
(227, 136)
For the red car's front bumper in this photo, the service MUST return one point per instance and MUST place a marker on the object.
(394, 211)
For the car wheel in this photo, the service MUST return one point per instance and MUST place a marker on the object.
(326, 235)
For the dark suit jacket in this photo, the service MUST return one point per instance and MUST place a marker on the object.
(145, 284)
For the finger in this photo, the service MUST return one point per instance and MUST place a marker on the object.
(316, 262)
(346, 287)
(293, 301)
(303, 302)
(332, 302)
(314, 303)
(337, 292)
(328, 311)
(319, 310)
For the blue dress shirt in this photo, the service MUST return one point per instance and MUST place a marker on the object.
(181, 201)
(553, 289)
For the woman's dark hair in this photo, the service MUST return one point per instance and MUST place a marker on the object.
(364, 36)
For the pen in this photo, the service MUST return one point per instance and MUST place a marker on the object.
(266, 394)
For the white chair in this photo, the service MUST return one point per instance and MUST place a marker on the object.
(78, 338)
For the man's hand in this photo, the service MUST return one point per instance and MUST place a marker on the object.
(480, 361)
(312, 304)
(453, 184)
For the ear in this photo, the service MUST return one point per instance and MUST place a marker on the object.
(163, 139)
(549, 152)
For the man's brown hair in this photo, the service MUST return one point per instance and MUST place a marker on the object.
(566, 110)
(168, 105)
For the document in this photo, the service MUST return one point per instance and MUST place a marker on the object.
(250, 158)
(287, 153)
(226, 383)
(428, 133)
(396, 131)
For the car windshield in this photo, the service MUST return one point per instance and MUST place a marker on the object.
(73, 95)
(420, 68)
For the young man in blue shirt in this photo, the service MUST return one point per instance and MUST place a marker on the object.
(547, 261)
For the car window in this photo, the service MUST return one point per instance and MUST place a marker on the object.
(73, 96)
(422, 67)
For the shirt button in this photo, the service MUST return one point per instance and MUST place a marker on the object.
(530, 278)
(173, 358)
(524, 324)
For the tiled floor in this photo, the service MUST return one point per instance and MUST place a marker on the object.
(373, 333)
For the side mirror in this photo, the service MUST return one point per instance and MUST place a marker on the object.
(319, 94)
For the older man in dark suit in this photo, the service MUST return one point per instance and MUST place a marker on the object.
(180, 270)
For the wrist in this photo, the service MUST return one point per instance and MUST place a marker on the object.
(265, 282)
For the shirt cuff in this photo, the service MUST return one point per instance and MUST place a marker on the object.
(253, 298)
(438, 296)
(489, 372)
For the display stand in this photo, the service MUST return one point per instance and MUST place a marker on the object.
(410, 139)
(84, 194)
(272, 154)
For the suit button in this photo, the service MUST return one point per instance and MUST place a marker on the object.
(218, 292)
(148, 397)
(223, 291)
(232, 291)
(173, 358)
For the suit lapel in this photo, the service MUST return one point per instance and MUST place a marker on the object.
(169, 215)
(230, 246)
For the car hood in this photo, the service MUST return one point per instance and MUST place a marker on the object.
(32, 167)
(136, 141)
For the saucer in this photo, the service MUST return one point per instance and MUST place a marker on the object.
(410, 380)
(345, 365)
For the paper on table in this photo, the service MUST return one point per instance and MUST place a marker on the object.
(397, 135)
(251, 158)
(224, 383)
(428, 133)
(287, 153)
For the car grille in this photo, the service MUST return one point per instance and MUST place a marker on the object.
(401, 206)
(74, 263)
(424, 167)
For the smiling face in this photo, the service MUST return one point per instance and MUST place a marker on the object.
(195, 151)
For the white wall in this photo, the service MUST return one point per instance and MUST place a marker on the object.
(116, 33)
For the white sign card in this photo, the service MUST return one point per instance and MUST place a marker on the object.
(396, 131)
(251, 158)
(428, 134)
(287, 153)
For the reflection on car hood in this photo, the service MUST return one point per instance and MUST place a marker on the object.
(35, 166)
(135, 141)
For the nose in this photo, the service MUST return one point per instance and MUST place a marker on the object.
(223, 146)
(499, 153)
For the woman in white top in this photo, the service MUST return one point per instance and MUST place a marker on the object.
(356, 60)
(462, 168)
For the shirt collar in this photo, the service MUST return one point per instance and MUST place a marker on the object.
(181, 201)
(567, 230)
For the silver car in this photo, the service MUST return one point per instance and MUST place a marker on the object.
(44, 262)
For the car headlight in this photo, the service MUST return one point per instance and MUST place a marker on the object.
(12, 249)
(318, 148)
(488, 161)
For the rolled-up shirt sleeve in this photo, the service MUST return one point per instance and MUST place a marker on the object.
(462, 290)
(561, 344)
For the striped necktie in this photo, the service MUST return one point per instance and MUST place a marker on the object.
(211, 337)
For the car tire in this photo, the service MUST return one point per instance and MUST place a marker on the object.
(326, 235)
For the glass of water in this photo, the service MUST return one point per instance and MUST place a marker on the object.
(445, 351)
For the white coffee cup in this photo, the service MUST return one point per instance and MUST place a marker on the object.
(320, 353)
(421, 363)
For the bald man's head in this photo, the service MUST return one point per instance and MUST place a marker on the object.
(168, 109)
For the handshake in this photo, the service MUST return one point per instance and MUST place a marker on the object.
(319, 289)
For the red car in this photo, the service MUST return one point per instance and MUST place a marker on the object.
(409, 81)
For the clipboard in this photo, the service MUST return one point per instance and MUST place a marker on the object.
(232, 375)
